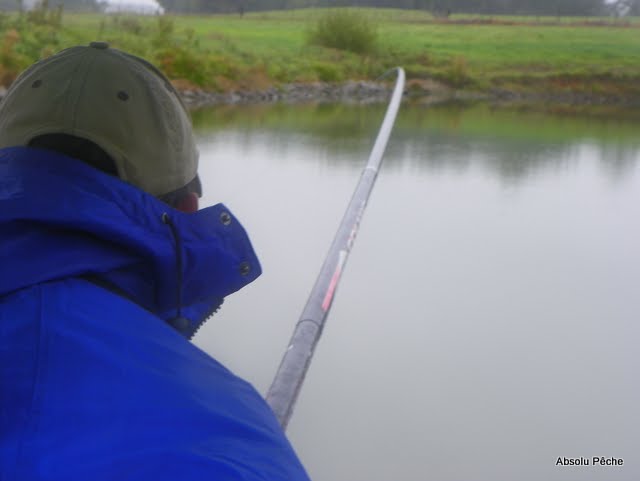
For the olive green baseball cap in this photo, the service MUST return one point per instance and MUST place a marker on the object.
(118, 101)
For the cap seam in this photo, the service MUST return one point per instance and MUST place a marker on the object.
(74, 110)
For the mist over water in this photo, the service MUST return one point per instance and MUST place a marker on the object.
(487, 322)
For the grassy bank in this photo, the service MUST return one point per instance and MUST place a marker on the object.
(595, 57)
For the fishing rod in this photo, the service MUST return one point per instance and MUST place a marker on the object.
(284, 390)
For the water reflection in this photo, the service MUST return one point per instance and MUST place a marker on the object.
(619, 159)
(512, 145)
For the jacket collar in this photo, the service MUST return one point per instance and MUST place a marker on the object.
(60, 218)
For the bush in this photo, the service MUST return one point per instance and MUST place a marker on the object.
(10, 62)
(344, 30)
(182, 63)
(41, 14)
(327, 72)
(163, 33)
(130, 25)
(25, 38)
(457, 73)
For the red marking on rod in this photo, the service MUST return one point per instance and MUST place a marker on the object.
(331, 290)
(328, 297)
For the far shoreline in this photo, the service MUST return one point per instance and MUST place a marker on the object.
(420, 92)
(427, 92)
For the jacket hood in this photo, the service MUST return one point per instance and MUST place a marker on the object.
(60, 218)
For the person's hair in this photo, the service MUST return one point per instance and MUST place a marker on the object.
(91, 154)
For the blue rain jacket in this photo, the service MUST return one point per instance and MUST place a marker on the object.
(96, 383)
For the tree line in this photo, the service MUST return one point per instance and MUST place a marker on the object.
(70, 5)
(441, 8)
(437, 7)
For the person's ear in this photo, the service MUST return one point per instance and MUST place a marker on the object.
(188, 203)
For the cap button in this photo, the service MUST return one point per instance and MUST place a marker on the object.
(99, 45)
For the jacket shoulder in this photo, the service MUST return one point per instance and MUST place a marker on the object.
(114, 390)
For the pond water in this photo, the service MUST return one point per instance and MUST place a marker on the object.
(488, 319)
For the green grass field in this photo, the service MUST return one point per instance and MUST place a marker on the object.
(265, 49)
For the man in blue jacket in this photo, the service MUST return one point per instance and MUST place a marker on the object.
(106, 271)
